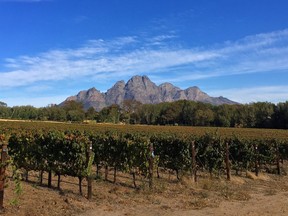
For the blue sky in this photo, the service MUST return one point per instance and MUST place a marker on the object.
(52, 49)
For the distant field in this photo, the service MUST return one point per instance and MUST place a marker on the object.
(251, 133)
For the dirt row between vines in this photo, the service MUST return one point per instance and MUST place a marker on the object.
(263, 195)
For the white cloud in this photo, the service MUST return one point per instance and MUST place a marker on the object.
(255, 42)
(160, 40)
(130, 55)
(96, 57)
(272, 94)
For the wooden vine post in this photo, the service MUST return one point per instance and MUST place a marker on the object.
(4, 157)
(193, 162)
(89, 177)
(49, 179)
(256, 161)
(151, 165)
(278, 160)
(227, 162)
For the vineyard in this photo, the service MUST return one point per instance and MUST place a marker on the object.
(143, 152)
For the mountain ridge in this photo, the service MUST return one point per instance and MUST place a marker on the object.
(142, 89)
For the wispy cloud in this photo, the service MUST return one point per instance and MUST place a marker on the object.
(126, 56)
(96, 57)
(272, 94)
(160, 40)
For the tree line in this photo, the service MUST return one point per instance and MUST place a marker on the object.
(183, 112)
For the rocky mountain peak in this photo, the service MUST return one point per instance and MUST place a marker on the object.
(195, 94)
(115, 94)
(119, 84)
(142, 89)
(167, 86)
(142, 82)
(92, 91)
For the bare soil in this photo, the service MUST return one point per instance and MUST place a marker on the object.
(243, 195)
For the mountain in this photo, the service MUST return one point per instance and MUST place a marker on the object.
(142, 89)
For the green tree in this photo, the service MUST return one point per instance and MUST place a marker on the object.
(169, 113)
(110, 114)
(130, 109)
(280, 116)
(5, 112)
(75, 115)
(149, 113)
(263, 114)
(224, 115)
(204, 116)
(72, 105)
(2, 104)
(91, 114)
(56, 113)
(246, 116)
(74, 111)
(24, 112)
(188, 113)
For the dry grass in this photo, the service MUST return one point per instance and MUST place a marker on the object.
(237, 180)
(261, 176)
(251, 175)
(168, 194)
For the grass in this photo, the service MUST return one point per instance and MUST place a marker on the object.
(168, 193)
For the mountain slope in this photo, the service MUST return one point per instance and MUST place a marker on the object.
(142, 89)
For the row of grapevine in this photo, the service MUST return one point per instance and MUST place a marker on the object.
(175, 153)
(66, 152)
(54, 151)
(124, 152)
